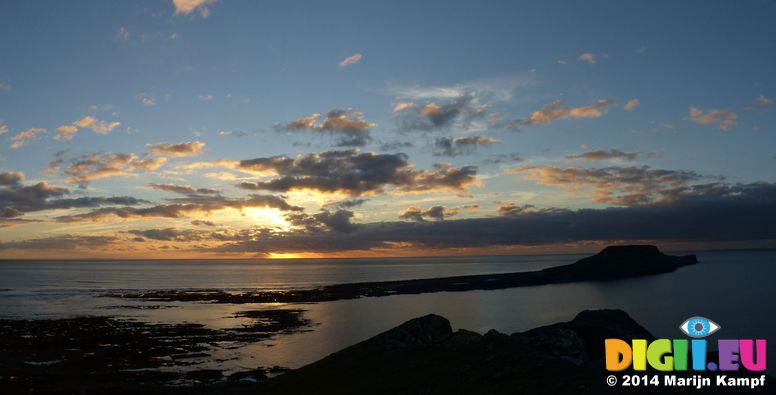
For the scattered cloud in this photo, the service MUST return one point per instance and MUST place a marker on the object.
(509, 208)
(456, 113)
(724, 119)
(148, 101)
(587, 57)
(183, 207)
(149, 164)
(764, 102)
(601, 155)
(21, 138)
(183, 189)
(4, 86)
(504, 158)
(123, 33)
(627, 186)
(66, 242)
(447, 146)
(555, 110)
(351, 60)
(348, 124)
(438, 213)
(66, 133)
(187, 148)
(189, 6)
(16, 198)
(97, 126)
(355, 173)
(3, 128)
(631, 104)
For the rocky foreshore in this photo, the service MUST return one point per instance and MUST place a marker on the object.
(100, 355)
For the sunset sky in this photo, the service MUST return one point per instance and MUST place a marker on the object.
(225, 128)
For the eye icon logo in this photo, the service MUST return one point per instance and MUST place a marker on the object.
(698, 327)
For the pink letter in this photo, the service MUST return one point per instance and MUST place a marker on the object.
(748, 355)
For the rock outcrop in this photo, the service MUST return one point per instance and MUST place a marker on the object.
(424, 356)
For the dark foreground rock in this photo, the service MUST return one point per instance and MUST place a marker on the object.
(615, 262)
(424, 356)
(103, 355)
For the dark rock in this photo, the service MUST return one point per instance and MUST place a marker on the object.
(423, 356)
(616, 262)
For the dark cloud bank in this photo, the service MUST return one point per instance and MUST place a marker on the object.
(727, 213)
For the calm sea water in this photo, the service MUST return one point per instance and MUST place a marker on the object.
(734, 288)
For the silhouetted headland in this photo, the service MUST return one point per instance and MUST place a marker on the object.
(424, 356)
(613, 262)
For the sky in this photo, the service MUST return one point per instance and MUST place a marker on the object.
(241, 129)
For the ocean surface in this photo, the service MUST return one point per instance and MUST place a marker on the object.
(736, 289)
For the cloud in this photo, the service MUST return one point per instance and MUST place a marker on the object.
(601, 155)
(149, 164)
(739, 212)
(457, 113)
(355, 173)
(189, 6)
(199, 222)
(3, 128)
(4, 86)
(436, 212)
(21, 138)
(446, 146)
(724, 119)
(555, 110)
(631, 104)
(513, 209)
(98, 165)
(347, 203)
(764, 102)
(351, 60)
(123, 34)
(183, 189)
(17, 198)
(587, 57)
(148, 101)
(188, 148)
(628, 186)
(66, 242)
(183, 207)
(97, 126)
(401, 106)
(504, 158)
(66, 133)
(11, 177)
(395, 145)
(347, 123)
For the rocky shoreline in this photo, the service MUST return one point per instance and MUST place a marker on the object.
(105, 354)
(612, 263)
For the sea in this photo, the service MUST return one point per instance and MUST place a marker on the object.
(736, 289)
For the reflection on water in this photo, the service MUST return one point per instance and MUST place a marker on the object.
(732, 288)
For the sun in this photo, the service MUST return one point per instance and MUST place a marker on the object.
(266, 217)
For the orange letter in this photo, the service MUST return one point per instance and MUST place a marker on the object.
(618, 355)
